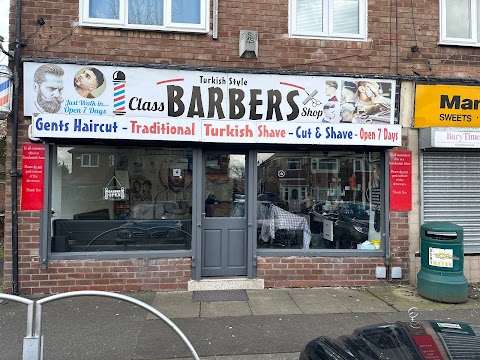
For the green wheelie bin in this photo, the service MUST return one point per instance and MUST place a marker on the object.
(441, 276)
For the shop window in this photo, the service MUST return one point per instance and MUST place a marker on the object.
(169, 15)
(335, 207)
(337, 19)
(141, 201)
(459, 24)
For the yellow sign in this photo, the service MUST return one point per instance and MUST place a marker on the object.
(447, 106)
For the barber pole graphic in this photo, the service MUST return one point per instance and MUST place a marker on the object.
(119, 93)
(4, 91)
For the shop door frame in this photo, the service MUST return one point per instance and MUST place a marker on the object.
(199, 209)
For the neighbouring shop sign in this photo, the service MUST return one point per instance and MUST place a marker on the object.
(444, 105)
(400, 180)
(460, 138)
(214, 131)
(33, 159)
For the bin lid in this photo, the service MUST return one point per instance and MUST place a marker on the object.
(441, 227)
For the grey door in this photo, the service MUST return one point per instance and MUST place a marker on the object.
(224, 224)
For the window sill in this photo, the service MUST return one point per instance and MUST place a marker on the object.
(311, 37)
(195, 30)
(446, 43)
(115, 255)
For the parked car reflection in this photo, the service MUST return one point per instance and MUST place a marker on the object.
(347, 225)
(150, 225)
(156, 225)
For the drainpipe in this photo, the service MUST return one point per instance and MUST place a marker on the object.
(14, 173)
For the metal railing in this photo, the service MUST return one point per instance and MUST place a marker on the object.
(33, 341)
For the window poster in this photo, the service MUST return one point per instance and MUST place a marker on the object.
(33, 168)
(400, 180)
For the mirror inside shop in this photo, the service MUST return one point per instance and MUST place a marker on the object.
(129, 198)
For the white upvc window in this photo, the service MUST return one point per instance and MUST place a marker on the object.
(167, 15)
(332, 19)
(459, 22)
(324, 165)
(294, 164)
(89, 160)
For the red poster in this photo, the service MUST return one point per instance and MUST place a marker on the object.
(33, 168)
(400, 180)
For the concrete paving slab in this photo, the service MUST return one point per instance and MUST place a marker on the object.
(225, 308)
(469, 304)
(246, 335)
(404, 298)
(358, 300)
(177, 304)
(317, 301)
(271, 302)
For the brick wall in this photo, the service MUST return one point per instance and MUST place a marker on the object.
(320, 271)
(103, 275)
(393, 28)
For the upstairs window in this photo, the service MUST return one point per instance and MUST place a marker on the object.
(459, 23)
(336, 19)
(89, 160)
(324, 165)
(168, 15)
(294, 164)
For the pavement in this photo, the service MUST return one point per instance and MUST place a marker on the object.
(250, 325)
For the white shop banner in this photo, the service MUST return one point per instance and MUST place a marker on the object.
(213, 131)
(181, 95)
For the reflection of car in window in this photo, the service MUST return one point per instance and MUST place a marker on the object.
(149, 226)
(351, 222)
(156, 225)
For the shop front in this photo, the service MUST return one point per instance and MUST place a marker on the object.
(449, 129)
(208, 174)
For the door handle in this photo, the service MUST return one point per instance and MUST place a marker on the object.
(203, 217)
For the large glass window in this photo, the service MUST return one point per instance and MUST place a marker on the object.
(176, 15)
(460, 22)
(133, 199)
(341, 19)
(332, 201)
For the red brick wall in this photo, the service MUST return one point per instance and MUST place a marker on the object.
(319, 271)
(393, 28)
(103, 275)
